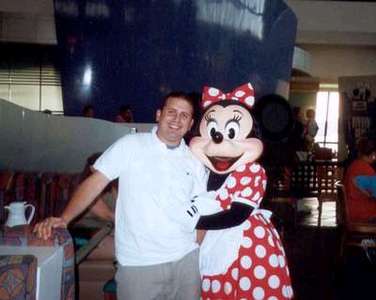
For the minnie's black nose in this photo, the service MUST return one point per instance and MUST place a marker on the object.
(217, 137)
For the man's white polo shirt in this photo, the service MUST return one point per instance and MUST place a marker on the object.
(148, 173)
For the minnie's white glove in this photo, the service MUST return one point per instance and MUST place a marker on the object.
(187, 213)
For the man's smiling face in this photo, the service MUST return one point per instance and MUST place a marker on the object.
(175, 119)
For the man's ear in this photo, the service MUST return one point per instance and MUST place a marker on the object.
(192, 122)
(158, 115)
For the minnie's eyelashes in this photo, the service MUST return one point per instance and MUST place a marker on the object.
(236, 118)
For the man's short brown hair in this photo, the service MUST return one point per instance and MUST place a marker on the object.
(178, 94)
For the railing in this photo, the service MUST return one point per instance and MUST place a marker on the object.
(304, 179)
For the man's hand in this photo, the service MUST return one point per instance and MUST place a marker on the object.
(84, 195)
(44, 229)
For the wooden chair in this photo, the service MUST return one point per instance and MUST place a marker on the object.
(352, 233)
(327, 175)
(279, 195)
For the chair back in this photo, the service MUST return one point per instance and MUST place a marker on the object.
(327, 178)
(341, 209)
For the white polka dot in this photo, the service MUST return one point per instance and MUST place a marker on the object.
(256, 196)
(260, 251)
(285, 291)
(264, 184)
(223, 194)
(273, 260)
(206, 103)
(274, 281)
(239, 94)
(235, 98)
(228, 206)
(245, 283)
(272, 298)
(245, 180)
(246, 192)
(290, 291)
(222, 97)
(247, 242)
(213, 92)
(246, 225)
(257, 180)
(206, 285)
(282, 261)
(270, 241)
(287, 271)
(246, 262)
(235, 273)
(259, 232)
(216, 286)
(258, 293)
(255, 168)
(231, 181)
(249, 85)
(259, 272)
(240, 168)
(250, 100)
(228, 288)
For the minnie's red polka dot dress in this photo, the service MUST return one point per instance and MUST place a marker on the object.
(260, 270)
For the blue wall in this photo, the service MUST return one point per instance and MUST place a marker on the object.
(139, 50)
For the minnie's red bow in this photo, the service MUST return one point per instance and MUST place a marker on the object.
(244, 94)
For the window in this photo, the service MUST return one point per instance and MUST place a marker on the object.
(32, 80)
(327, 111)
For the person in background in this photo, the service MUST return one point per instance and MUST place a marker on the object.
(367, 184)
(296, 137)
(311, 129)
(88, 111)
(361, 207)
(157, 257)
(47, 112)
(125, 115)
(103, 207)
(101, 210)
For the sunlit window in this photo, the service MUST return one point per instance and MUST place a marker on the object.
(327, 110)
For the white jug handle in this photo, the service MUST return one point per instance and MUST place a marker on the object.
(32, 212)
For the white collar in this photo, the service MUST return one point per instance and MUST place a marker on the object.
(161, 145)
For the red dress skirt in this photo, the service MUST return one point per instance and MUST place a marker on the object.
(259, 270)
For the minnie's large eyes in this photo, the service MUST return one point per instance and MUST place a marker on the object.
(232, 130)
(211, 128)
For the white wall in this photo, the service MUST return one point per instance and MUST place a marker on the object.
(27, 21)
(33, 141)
(328, 62)
(339, 36)
(335, 22)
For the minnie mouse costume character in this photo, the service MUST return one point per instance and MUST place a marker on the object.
(245, 259)
(241, 256)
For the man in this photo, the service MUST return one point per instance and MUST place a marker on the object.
(158, 258)
(125, 115)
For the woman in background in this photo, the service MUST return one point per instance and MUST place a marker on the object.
(103, 209)
(361, 206)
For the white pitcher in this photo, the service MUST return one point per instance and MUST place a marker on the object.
(17, 212)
